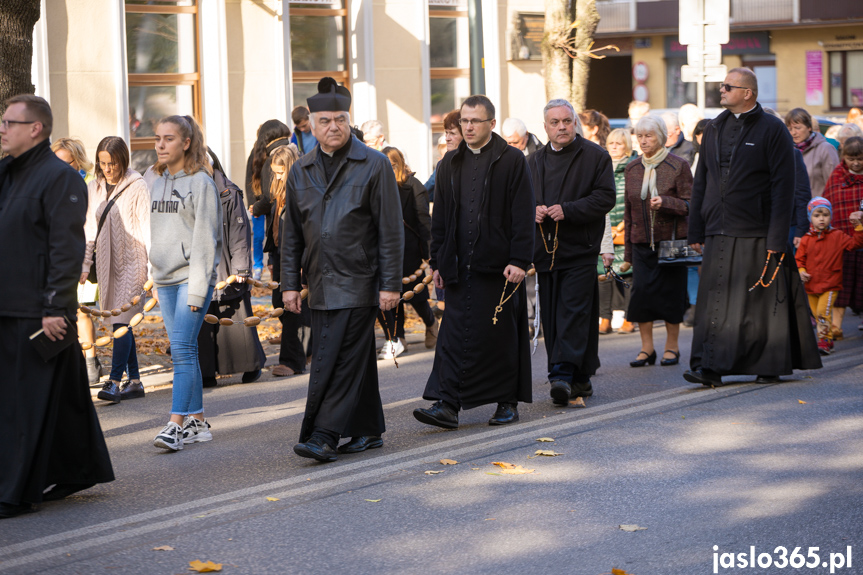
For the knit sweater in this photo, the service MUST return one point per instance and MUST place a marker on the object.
(186, 232)
(121, 248)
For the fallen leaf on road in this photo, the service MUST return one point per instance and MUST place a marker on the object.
(510, 469)
(801, 402)
(577, 402)
(433, 472)
(491, 519)
(202, 567)
(272, 498)
(163, 548)
(373, 500)
(632, 528)
(546, 440)
(618, 572)
(546, 452)
(448, 461)
(475, 468)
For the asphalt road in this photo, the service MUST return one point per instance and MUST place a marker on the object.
(740, 466)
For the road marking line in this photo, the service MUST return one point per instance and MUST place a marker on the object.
(183, 513)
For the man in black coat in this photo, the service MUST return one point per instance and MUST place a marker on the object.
(482, 232)
(751, 317)
(54, 444)
(342, 226)
(573, 180)
(676, 143)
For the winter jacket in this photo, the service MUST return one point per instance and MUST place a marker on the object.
(236, 256)
(802, 195)
(820, 255)
(758, 197)
(346, 235)
(185, 232)
(589, 195)
(415, 214)
(121, 249)
(506, 213)
(303, 141)
(683, 148)
(43, 206)
(674, 184)
(821, 159)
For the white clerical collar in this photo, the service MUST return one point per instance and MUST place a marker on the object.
(479, 150)
(746, 112)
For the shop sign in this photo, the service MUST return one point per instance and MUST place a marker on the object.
(814, 78)
(846, 45)
(740, 43)
(454, 3)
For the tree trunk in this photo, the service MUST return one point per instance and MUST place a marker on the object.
(17, 19)
(588, 20)
(556, 64)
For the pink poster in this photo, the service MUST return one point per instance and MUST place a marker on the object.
(814, 78)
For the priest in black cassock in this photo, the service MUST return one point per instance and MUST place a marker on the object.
(482, 243)
(751, 318)
(573, 180)
(343, 226)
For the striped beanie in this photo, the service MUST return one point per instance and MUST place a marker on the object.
(818, 202)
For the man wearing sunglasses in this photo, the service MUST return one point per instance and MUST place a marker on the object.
(55, 445)
(751, 317)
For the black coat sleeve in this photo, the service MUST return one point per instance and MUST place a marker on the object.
(421, 199)
(802, 195)
(441, 208)
(249, 195)
(695, 233)
(601, 198)
(65, 209)
(240, 235)
(780, 158)
(522, 216)
(386, 211)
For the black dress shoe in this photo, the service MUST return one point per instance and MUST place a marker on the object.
(673, 361)
(560, 392)
(504, 414)
(62, 490)
(642, 361)
(581, 389)
(768, 379)
(110, 392)
(251, 376)
(9, 510)
(316, 448)
(358, 444)
(439, 414)
(704, 377)
(132, 390)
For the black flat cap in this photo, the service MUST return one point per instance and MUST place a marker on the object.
(330, 97)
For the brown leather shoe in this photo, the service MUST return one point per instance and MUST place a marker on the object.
(282, 371)
(627, 327)
(604, 326)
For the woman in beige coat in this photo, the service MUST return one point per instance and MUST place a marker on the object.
(120, 246)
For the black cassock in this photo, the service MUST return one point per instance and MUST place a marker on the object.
(766, 331)
(47, 416)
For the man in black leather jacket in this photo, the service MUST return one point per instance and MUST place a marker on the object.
(343, 227)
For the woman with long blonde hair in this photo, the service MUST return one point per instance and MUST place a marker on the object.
(292, 353)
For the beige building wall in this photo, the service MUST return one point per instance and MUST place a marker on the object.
(255, 75)
(82, 75)
(522, 81)
(654, 57)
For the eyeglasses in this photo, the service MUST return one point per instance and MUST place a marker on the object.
(5, 123)
(729, 87)
(104, 165)
(472, 122)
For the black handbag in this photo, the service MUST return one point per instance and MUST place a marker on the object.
(676, 252)
(91, 277)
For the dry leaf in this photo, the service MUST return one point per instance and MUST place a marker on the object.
(546, 452)
(577, 402)
(448, 461)
(433, 472)
(801, 402)
(272, 498)
(510, 469)
(163, 548)
(373, 500)
(618, 572)
(503, 464)
(632, 528)
(491, 519)
(546, 440)
(207, 567)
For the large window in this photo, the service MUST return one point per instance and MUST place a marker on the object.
(319, 45)
(449, 59)
(846, 79)
(164, 69)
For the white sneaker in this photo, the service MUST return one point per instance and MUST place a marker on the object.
(196, 430)
(171, 437)
(392, 349)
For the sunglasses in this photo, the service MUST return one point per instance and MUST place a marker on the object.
(729, 87)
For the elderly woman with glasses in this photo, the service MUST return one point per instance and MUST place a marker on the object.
(658, 188)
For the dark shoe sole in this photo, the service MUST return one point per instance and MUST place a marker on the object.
(247, 378)
(371, 445)
(108, 397)
(674, 361)
(301, 450)
(576, 392)
(428, 420)
(768, 379)
(692, 378)
(502, 422)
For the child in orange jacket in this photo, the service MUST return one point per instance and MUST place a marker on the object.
(819, 259)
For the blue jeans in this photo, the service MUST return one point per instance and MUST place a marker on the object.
(125, 356)
(692, 280)
(183, 325)
(259, 225)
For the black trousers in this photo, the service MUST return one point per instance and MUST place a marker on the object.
(295, 330)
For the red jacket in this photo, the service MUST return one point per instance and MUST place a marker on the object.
(820, 255)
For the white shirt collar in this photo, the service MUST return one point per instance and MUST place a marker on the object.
(746, 112)
(479, 149)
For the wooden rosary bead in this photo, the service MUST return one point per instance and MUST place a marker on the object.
(251, 321)
(211, 319)
(102, 341)
(121, 332)
(136, 319)
(150, 304)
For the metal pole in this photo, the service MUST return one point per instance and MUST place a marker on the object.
(288, 64)
(477, 57)
(699, 90)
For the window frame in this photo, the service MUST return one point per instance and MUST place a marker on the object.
(845, 104)
(445, 73)
(314, 76)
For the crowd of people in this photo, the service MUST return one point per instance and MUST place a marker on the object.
(595, 221)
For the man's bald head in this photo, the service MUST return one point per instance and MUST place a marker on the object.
(746, 78)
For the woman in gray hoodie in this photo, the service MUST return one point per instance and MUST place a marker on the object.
(186, 238)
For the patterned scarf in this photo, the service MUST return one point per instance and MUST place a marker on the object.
(648, 185)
